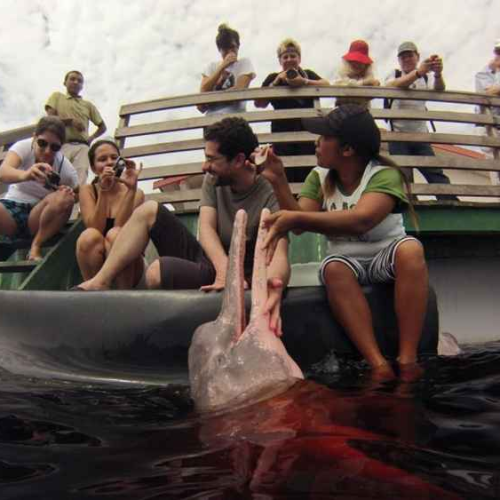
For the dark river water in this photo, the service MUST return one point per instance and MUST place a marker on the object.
(335, 436)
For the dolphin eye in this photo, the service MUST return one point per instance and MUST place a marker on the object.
(220, 360)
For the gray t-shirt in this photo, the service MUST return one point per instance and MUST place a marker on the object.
(407, 104)
(227, 203)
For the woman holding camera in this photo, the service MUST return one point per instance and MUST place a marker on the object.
(291, 75)
(41, 180)
(106, 205)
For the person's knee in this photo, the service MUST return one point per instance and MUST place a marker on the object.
(153, 276)
(145, 214)
(410, 256)
(112, 234)
(61, 202)
(90, 240)
(337, 274)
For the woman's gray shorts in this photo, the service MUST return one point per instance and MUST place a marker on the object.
(380, 269)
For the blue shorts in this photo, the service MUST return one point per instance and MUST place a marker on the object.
(20, 212)
(380, 269)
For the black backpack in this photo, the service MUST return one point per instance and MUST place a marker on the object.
(388, 102)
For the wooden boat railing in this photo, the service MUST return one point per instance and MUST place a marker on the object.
(162, 139)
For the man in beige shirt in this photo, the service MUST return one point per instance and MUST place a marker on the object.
(76, 113)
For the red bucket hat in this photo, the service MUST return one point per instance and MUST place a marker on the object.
(358, 52)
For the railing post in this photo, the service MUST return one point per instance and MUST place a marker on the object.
(491, 131)
(122, 123)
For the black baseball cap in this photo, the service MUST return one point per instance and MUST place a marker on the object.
(352, 124)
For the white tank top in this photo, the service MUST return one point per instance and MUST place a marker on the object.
(367, 245)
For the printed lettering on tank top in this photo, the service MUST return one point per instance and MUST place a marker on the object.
(332, 207)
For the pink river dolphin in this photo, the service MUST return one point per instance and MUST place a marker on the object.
(276, 427)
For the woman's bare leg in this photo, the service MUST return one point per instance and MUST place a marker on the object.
(411, 293)
(349, 305)
(130, 276)
(129, 245)
(47, 218)
(90, 252)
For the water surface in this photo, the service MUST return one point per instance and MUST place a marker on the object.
(98, 431)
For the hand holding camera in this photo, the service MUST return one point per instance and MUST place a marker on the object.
(130, 175)
(119, 167)
(53, 180)
(436, 64)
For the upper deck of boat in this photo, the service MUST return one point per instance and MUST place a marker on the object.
(167, 135)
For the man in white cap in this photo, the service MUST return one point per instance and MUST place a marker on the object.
(488, 82)
(416, 74)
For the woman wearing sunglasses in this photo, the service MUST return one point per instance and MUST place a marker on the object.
(41, 180)
(106, 205)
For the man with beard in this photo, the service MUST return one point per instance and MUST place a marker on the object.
(230, 184)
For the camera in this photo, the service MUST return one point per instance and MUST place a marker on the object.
(119, 166)
(53, 180)
(292, 73)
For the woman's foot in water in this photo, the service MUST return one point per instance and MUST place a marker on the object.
(410, 371)
(382, 373)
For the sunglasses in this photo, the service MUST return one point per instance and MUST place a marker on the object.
(54, 147)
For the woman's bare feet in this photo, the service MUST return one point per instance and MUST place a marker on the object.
(35, 254)
(410, 372)
(382, 373)
(93, 284)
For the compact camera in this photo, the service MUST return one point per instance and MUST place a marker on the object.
(292, 73)
(119, 166)
(53, 180)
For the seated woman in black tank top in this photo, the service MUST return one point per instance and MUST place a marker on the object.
(106, 205)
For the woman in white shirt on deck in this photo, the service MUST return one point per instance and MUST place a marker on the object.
(41, 186)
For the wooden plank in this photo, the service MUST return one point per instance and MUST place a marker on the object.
(11, 136)
(285, 137)
(456, 189)
(149, 173)
(122, 124)
(492, 132)
(19, 266)
(447, 162)
(318, 92)
(265, 116)
(58, 264)
(417, 189)
(438, 138)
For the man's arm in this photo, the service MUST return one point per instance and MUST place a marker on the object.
(101, 128)
(404, 81)
(437, 68)
(243, 81)
(212, 245)
(274, 171)
(278, 274)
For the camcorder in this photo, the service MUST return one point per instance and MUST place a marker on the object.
(53, 180)
(292, 73)
(119, 166)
